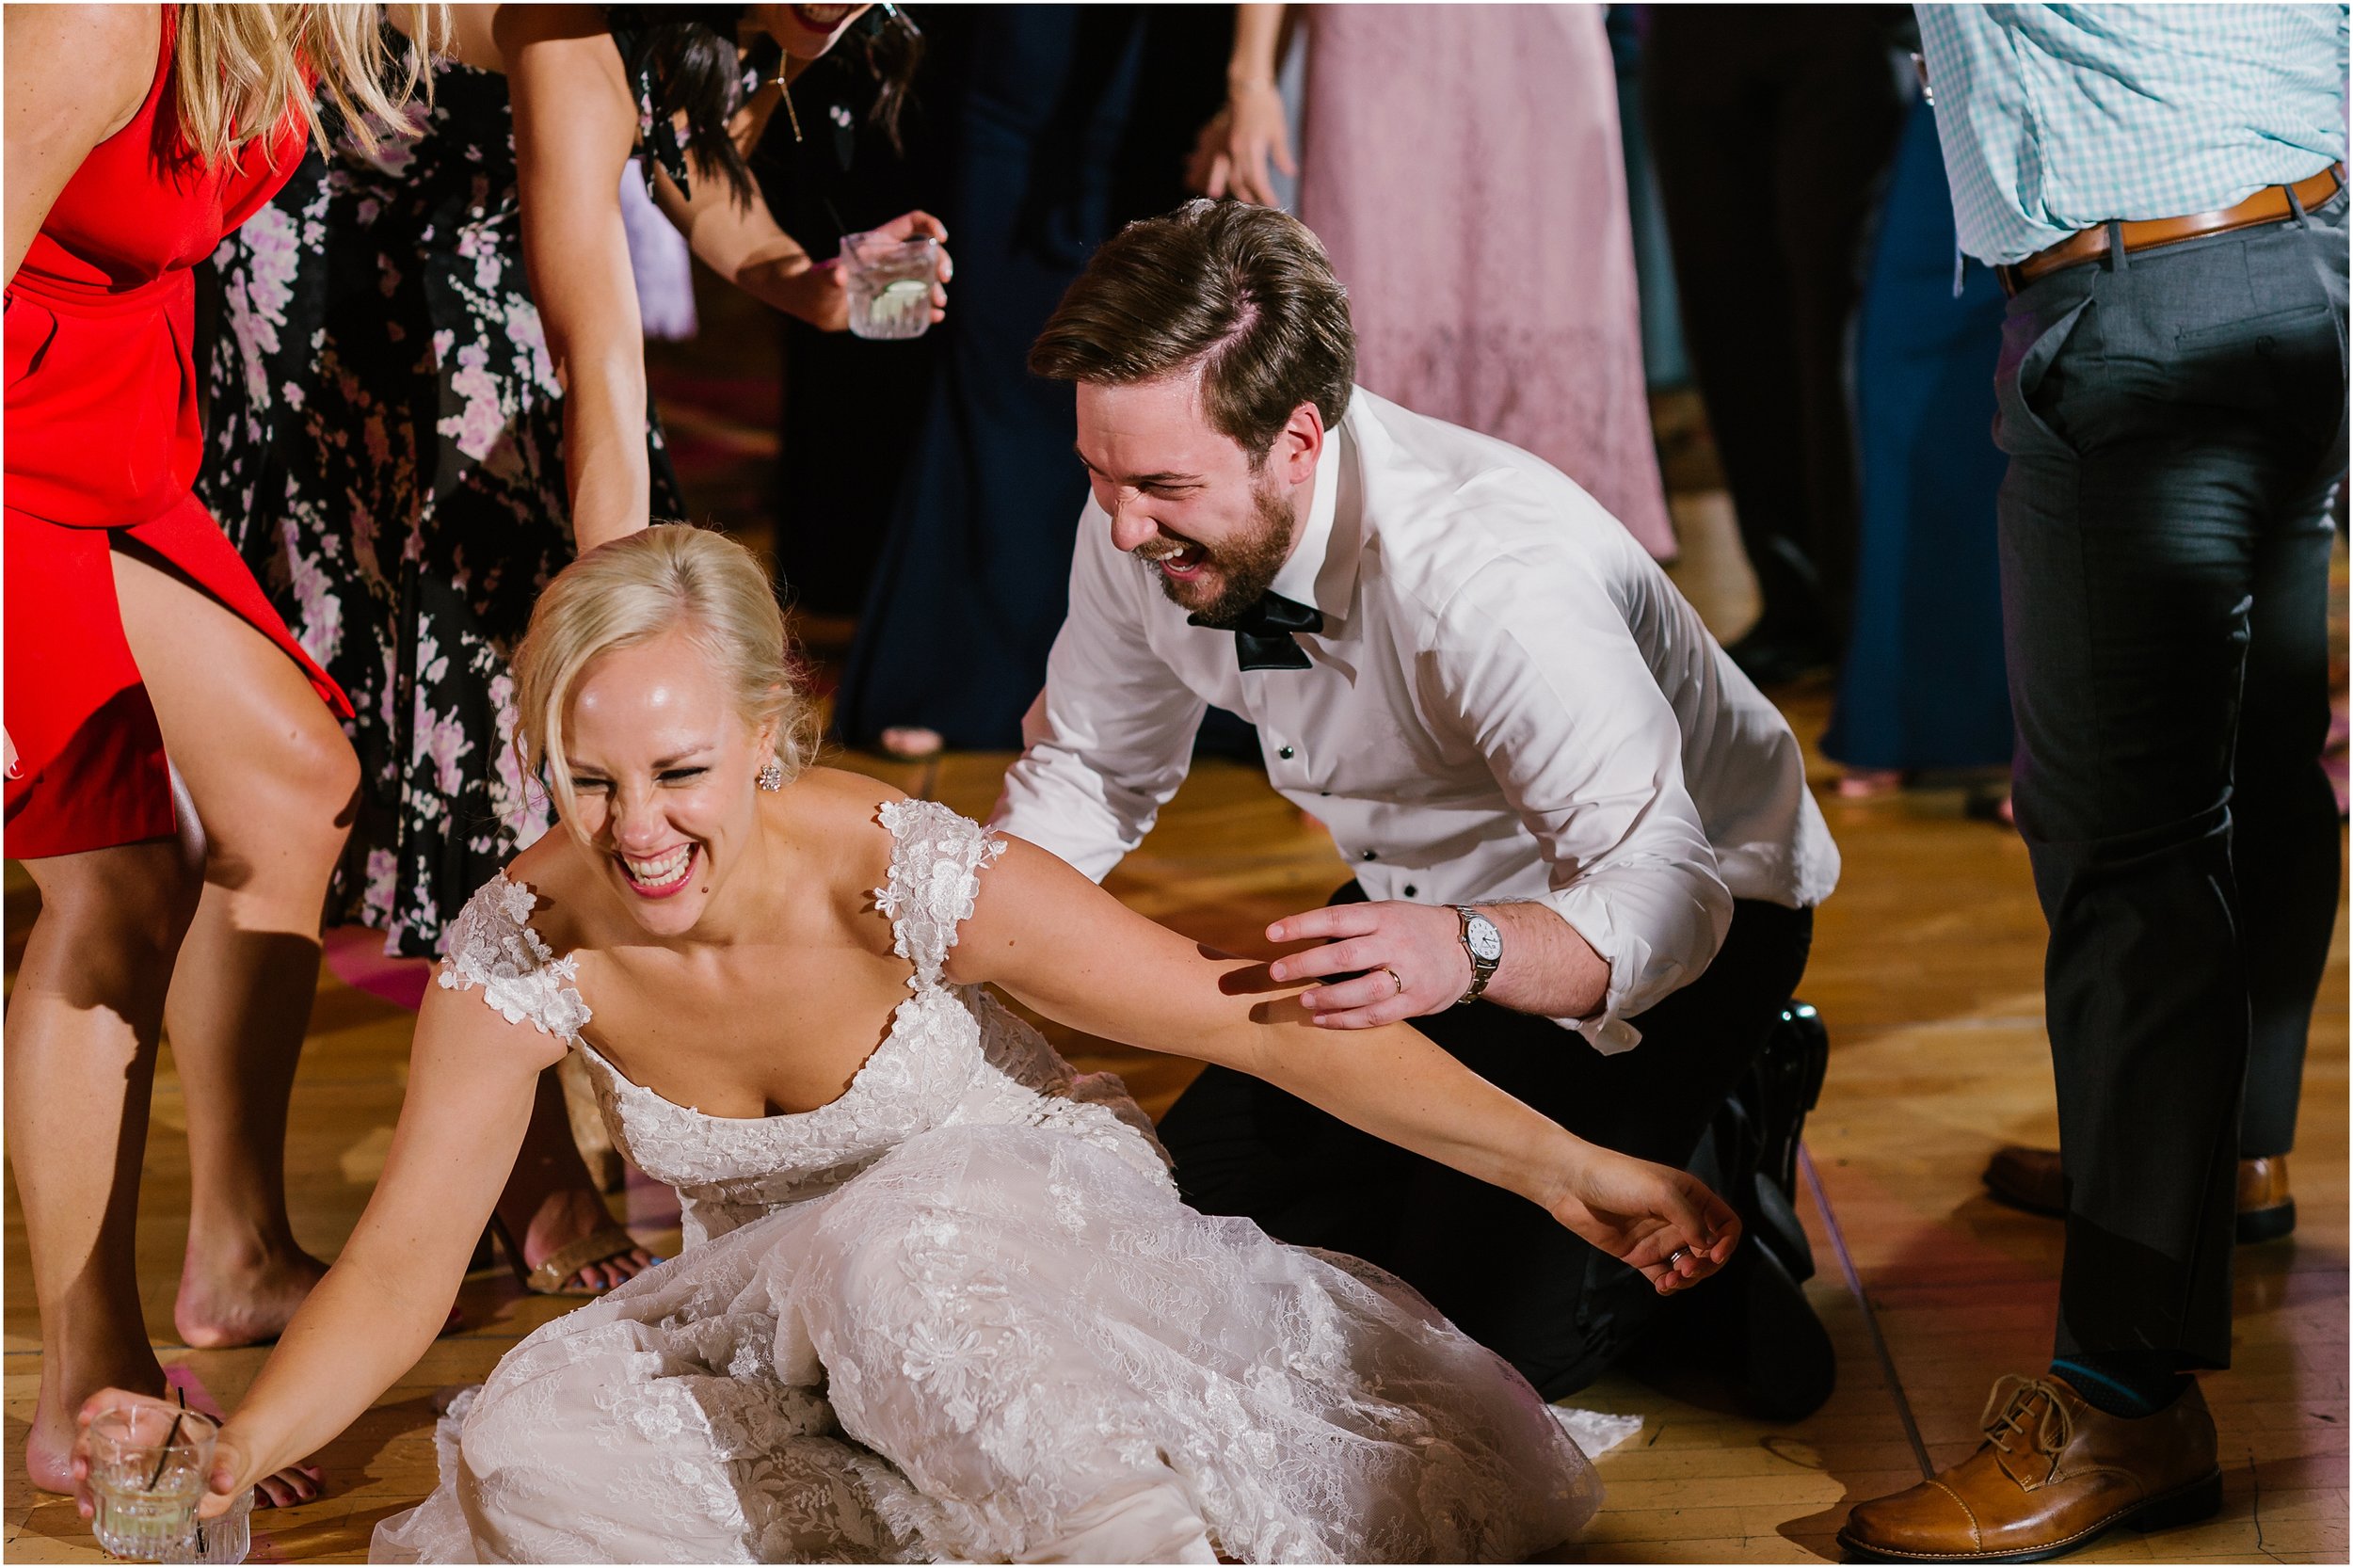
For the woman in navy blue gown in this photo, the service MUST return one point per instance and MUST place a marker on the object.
(1065, 122)
(1923, 685)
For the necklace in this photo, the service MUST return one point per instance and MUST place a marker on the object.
(785, 89)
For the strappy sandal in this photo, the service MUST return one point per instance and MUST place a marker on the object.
(549, 1278)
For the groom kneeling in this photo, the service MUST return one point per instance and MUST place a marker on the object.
(1586, 857)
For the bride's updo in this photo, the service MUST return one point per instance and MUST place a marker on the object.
(669, 577)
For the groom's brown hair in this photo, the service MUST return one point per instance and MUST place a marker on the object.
(1244, 292)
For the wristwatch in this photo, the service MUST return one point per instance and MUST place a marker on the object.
(1484, 944)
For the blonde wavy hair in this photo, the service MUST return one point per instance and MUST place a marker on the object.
(669, 577)
(237, 69)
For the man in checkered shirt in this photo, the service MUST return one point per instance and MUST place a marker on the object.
(2162, 187)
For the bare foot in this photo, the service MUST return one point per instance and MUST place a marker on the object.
(1868, 783)
(565, 1217)
(911, 742)
(1990, 805)
(295, 1483)
(247, 1300)
(49, 1446)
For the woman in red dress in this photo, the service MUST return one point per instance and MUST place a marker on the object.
(133, 631)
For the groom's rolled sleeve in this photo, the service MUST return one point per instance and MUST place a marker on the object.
(1108, 740)
(1557, 698)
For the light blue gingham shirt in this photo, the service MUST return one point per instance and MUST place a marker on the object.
(2059, 118)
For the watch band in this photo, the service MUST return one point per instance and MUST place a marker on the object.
(1483, 969)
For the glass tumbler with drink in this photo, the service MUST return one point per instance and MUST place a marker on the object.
(148, 1465)
(890, 281)
(223, 1538)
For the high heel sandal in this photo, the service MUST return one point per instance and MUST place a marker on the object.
(550, 1276)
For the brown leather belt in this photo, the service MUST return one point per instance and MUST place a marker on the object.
(2268, 205)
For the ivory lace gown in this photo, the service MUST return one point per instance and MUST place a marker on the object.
(961, 1312)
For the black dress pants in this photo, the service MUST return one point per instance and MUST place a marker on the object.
(1773, 129)
(1501, 1268)
(2176, 424)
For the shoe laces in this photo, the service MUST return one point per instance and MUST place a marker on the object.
(2013, 1410)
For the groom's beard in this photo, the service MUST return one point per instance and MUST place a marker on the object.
(1245, 565)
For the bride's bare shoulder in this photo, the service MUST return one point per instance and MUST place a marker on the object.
(837, 816)
(555, 867)
(837, 798)
(843, 787)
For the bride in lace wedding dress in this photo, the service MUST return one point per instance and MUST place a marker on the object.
(939, 1297)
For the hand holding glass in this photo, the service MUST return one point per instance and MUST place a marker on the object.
(147, 1468)
(893, 282)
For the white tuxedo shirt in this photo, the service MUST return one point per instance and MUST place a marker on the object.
(1508, 701)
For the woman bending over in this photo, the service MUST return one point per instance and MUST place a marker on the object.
(939, 1297)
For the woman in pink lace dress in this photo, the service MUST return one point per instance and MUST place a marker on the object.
(1461, 166)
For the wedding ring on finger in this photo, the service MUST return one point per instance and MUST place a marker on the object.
(1677, 1255)
(1394, 975)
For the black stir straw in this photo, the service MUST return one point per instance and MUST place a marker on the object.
(164, 1458)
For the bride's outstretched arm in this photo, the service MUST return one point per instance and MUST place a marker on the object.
(1049, 937)
(471, 1077)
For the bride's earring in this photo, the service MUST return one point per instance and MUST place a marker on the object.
(772, 777)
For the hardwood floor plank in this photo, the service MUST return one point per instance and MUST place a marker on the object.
(1927, 972)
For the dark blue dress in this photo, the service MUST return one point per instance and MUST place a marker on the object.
(1068, 121)
(1923, 685)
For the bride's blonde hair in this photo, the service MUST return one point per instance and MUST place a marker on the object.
(237, 69)
(669, 577)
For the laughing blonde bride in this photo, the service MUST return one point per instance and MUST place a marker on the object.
(939, 1297)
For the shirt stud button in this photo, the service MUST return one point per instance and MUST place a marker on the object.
(1373, 854)
(1411, 889)
(1286, 754)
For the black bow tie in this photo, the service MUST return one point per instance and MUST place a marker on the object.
(1264, 633)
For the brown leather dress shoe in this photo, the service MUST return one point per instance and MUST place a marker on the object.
(2052, 1474)
(2028, 1178)
(2266, 1209)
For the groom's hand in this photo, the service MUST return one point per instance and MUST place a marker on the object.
(1405, 960)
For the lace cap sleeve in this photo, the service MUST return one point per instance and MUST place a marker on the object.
(936, 862)
(490, 944)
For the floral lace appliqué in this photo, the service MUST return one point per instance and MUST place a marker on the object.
(954, 1313)
(935, 864)
(490, 944)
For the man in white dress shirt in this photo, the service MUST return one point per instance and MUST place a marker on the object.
(1586, 857)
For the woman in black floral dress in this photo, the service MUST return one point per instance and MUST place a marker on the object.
(391, 433)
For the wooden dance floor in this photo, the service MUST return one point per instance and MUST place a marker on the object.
(1927, 968)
